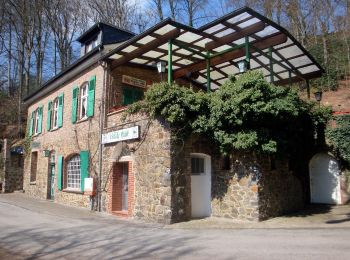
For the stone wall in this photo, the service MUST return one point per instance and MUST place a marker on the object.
(248, 189)
(345, 186)
(11, 171)
(150, 159)
(280, 191)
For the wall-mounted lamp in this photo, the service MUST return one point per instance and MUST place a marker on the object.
(46, 153)
(242, 66)
(161, 66)
(318, 97)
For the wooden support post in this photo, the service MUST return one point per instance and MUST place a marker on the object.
(208, 72)
(247, 52)
(271, 65)
(290, 78)
(170, 62)
(308, 88)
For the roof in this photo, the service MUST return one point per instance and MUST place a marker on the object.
(223, 41)
(98, 26)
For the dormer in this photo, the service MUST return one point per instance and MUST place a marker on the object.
(101, 34)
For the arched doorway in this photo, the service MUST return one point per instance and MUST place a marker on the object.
(200, 185)
(324, 179)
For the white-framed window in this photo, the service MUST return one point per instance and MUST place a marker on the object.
(55, 114)
(73, 173)
(83, 101)
(91, 44)
(36, 122)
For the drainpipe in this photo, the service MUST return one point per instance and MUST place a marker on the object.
(100, 148)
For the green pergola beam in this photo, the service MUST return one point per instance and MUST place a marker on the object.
(276, 61)
(170, 62)
(208, 72)
(247, 52)
(183, 46)
(271, 65)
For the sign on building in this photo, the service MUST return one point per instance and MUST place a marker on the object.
(134, 81)
(121, 135)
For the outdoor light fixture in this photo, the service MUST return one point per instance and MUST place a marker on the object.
(46, 153)
(318, 96)
(161, 66)
(242, 66)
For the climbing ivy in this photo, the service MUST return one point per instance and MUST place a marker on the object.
(339, 136)
(245, 113)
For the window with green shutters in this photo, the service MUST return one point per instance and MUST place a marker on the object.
(84, 168)
(75, 104)
(59, 172)
(48, 121)
(36, 121)
(83, 101)
(91, 97)
(131, 95)
(76, 170)
(60, 110)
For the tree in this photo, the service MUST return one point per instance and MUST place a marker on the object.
(118, 12)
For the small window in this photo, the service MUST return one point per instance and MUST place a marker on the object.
(54, 117)
(90, 45)
(83, 101)
(33, 166)
(132, 95)
(197, 166)
(73, 173)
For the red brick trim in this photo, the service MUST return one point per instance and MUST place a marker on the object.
(114, 194)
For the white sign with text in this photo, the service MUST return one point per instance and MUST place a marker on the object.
(121, 135)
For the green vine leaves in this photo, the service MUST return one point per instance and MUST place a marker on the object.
(245, 113)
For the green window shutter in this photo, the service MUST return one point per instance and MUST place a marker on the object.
(91, 96)
(48, 121)
(31, 124)
(84, 168)
(127, 96)
(59, 172)
(40, 123)
(75, 104)
(60, 111)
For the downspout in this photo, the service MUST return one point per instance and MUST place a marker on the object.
(102, 117)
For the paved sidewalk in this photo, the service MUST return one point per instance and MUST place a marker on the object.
(314, 216)
(39, 229)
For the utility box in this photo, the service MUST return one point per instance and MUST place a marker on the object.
(89, 186)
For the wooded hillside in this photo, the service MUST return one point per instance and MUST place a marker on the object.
(37, 37)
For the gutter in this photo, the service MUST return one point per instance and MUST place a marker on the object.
(105, 67)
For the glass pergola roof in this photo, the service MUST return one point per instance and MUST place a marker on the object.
(209, 54)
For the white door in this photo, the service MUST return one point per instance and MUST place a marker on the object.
(324, 179)
(200, 185)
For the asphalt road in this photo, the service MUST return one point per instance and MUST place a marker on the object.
(42, 230)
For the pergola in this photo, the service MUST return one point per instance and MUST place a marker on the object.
(206, 56)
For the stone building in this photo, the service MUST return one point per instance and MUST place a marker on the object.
(137, 166)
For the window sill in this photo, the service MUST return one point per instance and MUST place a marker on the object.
(73, 191)
(116, 110)
(82, 120)
(54, 129)
(32, 183)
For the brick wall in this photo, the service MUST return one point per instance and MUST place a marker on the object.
(71, 138)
